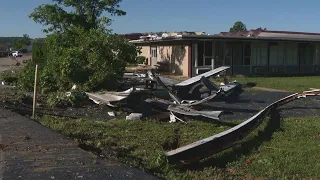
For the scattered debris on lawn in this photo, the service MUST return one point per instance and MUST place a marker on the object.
(185, 99)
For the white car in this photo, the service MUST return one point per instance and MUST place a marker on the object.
(17, 53)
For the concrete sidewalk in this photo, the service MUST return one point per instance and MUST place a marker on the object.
(29, 150)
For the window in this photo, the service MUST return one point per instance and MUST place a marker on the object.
(208, 61)
(218, 54)
(306, 54)
(153, 52)
(310, 54)
(208, 48)
(200, 53)
(247, 53)
(247, 49)
(228, 55)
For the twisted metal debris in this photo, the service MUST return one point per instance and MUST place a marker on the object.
(224, 140)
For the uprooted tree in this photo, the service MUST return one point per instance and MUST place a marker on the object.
(81, 49)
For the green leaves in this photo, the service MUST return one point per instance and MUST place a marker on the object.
(22, 43)
(80, 50)
(91, 59)
(84, 13)
(238, 26)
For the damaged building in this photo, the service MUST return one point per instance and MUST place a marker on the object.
(254, 52)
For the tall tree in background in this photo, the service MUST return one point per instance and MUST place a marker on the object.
(238, 26)
(261, 29)
(22, 43)
(81, 49)
(86, 14)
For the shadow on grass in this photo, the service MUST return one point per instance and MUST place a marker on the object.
(245, 148)
(208, 120)
(228, 110)
(301, 108)
(250, 84)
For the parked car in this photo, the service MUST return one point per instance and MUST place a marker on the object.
(17, 53)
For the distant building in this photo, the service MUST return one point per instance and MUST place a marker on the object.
(253, 52)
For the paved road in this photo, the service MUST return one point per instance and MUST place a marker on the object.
(7, 63)
(28, 150)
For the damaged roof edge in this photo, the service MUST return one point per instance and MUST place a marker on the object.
(248, 38)
(217, 37)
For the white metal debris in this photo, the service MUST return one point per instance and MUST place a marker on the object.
(111, 114)
(111, 96)
(134, 116)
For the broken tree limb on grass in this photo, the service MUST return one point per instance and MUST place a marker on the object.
(224, 140)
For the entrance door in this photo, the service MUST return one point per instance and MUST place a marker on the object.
(153, 56)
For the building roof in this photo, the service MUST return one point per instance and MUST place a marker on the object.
(259, 34)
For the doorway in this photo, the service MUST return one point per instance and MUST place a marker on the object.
(154, 55)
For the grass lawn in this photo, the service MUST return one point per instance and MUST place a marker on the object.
(287, 148)
(292, 84)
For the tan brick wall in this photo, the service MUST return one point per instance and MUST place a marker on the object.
(177, 56)
(145, 51)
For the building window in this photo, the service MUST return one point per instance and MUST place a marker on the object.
(208, 61)
(218, 61)
(306, 54)
(208, 48)
(247, 53)
(200, 53)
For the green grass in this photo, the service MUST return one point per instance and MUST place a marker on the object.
(289, 149)
(292, 84)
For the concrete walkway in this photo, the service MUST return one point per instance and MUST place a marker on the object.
(29, 150)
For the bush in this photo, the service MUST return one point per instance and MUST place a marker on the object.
(92, 59)
(67, 99)
(9, 77)
(26, 77)
(141, 59)
(24, 98)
